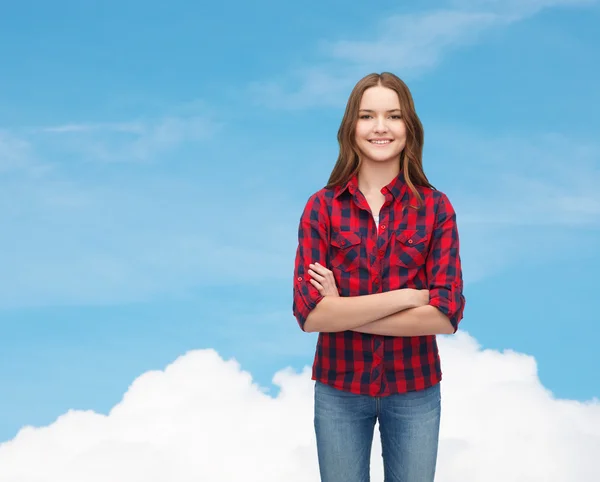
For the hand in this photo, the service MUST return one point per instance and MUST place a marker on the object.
(323, 280)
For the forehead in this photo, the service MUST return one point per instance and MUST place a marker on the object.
(379, 98)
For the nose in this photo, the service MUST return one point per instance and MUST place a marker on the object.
(380, 125)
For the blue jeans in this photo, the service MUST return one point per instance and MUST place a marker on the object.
(408, 424)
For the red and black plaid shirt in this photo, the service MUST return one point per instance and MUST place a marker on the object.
(412, 248)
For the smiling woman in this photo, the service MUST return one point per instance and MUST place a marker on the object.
(378, 275)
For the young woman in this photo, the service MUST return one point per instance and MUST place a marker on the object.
(378, 275)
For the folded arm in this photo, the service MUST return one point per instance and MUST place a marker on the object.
(333, 314)
(419, 321)
(444, 274)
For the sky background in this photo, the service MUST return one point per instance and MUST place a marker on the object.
(155, 158)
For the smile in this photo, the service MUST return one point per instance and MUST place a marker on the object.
(380, 142)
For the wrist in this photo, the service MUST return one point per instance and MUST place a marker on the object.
(416, 298)
(408, 298)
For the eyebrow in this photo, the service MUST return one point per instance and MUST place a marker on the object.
(389, 111)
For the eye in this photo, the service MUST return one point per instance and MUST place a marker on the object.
(364, 116)
(397, 116)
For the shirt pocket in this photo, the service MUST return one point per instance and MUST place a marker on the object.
(410, 249)
(345, 251)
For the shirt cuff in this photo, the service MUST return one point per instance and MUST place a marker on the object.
(305, 299)
(449, 302)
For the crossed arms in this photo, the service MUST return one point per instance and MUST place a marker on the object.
(402, 312)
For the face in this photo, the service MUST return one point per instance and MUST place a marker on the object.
(380, 130)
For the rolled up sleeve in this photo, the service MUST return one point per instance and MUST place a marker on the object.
(444, 272)
(312, 247)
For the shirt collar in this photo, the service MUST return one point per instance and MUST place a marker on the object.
(397, 187)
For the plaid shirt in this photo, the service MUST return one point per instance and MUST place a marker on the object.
(410, 249)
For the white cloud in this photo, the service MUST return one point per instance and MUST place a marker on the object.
(414, 41)
(17, 155)
(13, 151)
(133, 127)
(318, 86)
(130, 141)
(410, 44)
(203, 418)
(517, 9)
(406, 43)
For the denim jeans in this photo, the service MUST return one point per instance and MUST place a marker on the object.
(408, 424)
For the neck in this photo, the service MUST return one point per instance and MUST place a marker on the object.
(372, 177)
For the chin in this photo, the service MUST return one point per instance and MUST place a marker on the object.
(380, 161)
(379, 158)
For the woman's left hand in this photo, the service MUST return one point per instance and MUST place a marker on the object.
(323, 280)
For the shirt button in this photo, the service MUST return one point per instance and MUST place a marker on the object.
(410, 241)
(381, 252)
(299, 278)
(383, 227)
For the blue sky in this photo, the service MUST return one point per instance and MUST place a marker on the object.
(155, 159)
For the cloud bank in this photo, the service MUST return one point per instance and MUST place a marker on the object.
(203, 418)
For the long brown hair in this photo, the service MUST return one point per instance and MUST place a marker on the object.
(411, 158)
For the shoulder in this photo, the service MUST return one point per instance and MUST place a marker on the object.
(323, 197)
(436, 206)
(434, 198)
(318, 201)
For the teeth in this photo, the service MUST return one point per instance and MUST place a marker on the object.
(380, 142)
